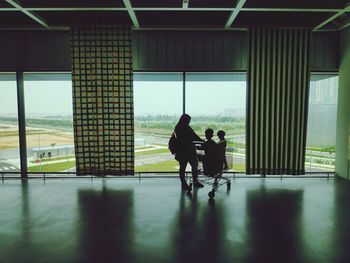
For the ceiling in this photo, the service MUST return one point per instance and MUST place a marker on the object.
(319, 15)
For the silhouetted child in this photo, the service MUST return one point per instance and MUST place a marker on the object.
(209, 147)
(209, 144)
(222, 144)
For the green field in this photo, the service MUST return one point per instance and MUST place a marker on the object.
(165, 166)
(173, 166)
(54, 167)
(150, 152)
(55, 158)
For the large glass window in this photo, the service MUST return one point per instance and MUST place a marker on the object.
(321, 134)
(49, 122)
(217, 101)
(9, 140)
(158, 104)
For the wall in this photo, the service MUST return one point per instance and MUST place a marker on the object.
(154, 50)
(324, 53)
(342, 161)
(39, 50)
(190, 50)
(216, 50)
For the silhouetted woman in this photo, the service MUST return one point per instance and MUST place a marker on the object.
(186, 151)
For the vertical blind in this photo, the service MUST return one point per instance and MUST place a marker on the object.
(101, 59)
(277, 100)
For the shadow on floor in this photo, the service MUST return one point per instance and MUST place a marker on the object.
(105, 225)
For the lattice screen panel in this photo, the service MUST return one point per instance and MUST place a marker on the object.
(103, 100)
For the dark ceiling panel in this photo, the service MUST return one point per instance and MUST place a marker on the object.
(212, 3)
(72, 3)
(156, 3)
(296, 3)
(16, 19)
(4, 4)
(73, 18)
(286, 19)
(342, 18)
(182, 19)
(330, 26)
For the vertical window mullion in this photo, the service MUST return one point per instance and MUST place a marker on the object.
(21, 124)
(184, 92)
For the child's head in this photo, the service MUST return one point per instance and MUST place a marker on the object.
(221, 134)
(209, 133)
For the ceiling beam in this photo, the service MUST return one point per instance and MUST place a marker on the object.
(66, 28)
(234, 13)
(347, 24)
(131, 13)
(335, 23)
(296, 10)
(33, 16)
(76, 9)
(330, 19)
(226, 9)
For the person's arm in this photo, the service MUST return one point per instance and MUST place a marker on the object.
(195, 137)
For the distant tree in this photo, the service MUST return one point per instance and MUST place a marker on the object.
(330, 149)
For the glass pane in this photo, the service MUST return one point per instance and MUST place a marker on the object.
(218, 101)
(321, 133)
(157, 108)
(9, 139)
(49, 122)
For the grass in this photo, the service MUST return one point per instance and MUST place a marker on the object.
(54, 167)
(239, 167)
(28, 132)
(54, 158)
(150, 152)
(144, 147)
(170, 166)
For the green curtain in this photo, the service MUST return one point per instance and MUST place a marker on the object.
(101, 58)
(277, 100)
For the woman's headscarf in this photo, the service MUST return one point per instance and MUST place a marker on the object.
(183, 122)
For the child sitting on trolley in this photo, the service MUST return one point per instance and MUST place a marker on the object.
(214, 155)
(222, 144)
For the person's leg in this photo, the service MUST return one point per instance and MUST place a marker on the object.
(194, 168)
(182, 170)
(225, 164)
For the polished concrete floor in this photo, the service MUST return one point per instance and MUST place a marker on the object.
(127, 220)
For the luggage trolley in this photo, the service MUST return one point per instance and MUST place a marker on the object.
(212, 167)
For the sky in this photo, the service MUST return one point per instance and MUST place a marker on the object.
(206, 94)
(154, 93)
(42, 97)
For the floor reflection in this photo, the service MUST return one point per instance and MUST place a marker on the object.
(26, 233)
(124, 221)
(341, 230)
(105, 225)
(199, 230)
(274, 225)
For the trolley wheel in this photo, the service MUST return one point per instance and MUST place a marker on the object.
(211, 194)
(229, 185)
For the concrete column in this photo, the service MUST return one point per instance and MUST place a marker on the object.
(342, 162)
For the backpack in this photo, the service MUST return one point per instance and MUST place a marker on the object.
(172, 144)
